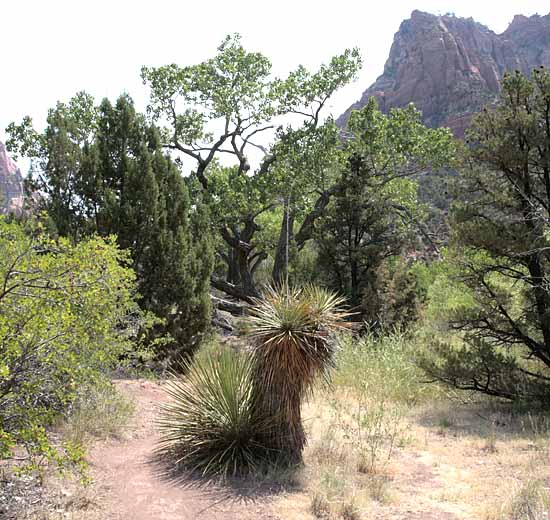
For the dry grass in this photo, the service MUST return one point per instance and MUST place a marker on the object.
(382, 445)
(529, 500)
(99, 412)
(52, 497)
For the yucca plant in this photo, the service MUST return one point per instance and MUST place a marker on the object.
(291, 331)
(212, 425)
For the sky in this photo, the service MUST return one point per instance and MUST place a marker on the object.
(51, 49)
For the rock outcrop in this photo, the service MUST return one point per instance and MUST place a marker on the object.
(451, 67)
(11, 184)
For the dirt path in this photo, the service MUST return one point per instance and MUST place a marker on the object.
(135, 489)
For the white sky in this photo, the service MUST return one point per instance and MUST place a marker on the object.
(51, 49)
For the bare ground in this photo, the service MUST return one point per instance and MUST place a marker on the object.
(135, 487)
(451, 464)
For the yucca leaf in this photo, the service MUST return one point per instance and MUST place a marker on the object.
(211, 424)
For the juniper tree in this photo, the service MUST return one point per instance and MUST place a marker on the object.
(373, 208)
(102, 170)
(501, 243)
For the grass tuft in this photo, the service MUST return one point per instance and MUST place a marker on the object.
(530, 501)
(383, 366)
(100, 411)
(320, 506)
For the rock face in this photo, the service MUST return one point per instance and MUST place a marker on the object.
(11, 184)
(451, 67)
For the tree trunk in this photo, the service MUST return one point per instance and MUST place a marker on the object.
(235, 309)
(231, 290)
(245, 273)
(242, 260)
(233, 274)
(305, 232)
(286, 236)
(354, 271)
(281, 403)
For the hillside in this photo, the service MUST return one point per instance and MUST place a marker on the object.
(451, 67)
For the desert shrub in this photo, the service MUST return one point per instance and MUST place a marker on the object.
(234, 412)
(67, 314)
(477, 365)
(460, 357)
(211, 424)
(366, 429)
(291, 330)
(362, 419)
(373, 432)
(350, 511)
(320, 506)
(383, 366)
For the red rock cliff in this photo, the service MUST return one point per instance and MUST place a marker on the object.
(11, 184)
(451, 67)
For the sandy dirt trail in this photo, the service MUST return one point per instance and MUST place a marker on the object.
(135, 488)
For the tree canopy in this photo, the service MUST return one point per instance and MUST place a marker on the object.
(101, 169)
(501, 248)
(220, 108)
(374, 213)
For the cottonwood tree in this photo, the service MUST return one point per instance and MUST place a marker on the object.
(500, 233)
(310, 161)
(221, 107)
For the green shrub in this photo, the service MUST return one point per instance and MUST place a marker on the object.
(392, 299)
(66, 315)
(382, 366)
(211, 424)
(477, 365)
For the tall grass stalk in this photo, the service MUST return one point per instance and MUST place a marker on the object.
(98, 411)
(383, 367)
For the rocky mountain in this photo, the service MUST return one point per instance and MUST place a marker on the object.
(11, 184)
(451, 67)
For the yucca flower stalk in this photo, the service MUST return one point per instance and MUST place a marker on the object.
(291, 330)
(211, 424)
